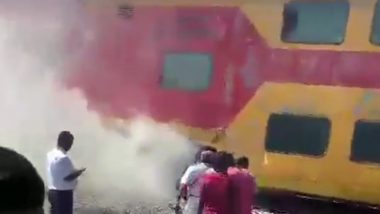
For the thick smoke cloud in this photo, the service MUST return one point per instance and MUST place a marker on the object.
(137, 161)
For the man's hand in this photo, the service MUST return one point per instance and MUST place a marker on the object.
(81, 170)
(74, 175)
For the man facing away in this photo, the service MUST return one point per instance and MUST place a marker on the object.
(243, 187)
(215, 188)
(61, 175)
(22, 190)
(190, 182)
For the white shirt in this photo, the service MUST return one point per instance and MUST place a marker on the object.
(58, 167)
(192, 178)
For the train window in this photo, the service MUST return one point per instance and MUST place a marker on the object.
(375, 35)
(366, 142)
(315, 22)
(187, 71)
(194, 26)
(295, 134)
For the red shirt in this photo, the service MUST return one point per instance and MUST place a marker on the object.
(242, 190)
(215, 194)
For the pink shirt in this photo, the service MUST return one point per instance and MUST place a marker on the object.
(215, 194)
(242, 190)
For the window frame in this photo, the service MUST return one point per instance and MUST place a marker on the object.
(288, 5)
(351, 158)
(371, 36)
(210, 75)
(293, 153)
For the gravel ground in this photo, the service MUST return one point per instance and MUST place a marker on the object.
(138, 209)
(284, 205)
(127, 208)
(82, 207)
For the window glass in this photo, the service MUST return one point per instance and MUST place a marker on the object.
(187, 71)
(366, 142)
(375, 35)
(294, 134)
(195, 26)
(126, 11)
(315, 22)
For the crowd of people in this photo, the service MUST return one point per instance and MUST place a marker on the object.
(217, 184)
(214, 184)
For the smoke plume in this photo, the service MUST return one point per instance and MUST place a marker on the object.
(137, 161)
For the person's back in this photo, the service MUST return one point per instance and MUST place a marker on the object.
(215, 189)
(22, 190)
(191, 182)
(215, 193)
(242, 187)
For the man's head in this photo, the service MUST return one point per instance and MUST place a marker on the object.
(230, 159)
(242, 162)
(220, 162)
(21, 188)
(203, 149)
(65, 140)
(209, 148)
(206, 157)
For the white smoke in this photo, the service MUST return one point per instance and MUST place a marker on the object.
(35, 107)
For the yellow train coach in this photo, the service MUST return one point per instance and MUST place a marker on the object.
(296, 82)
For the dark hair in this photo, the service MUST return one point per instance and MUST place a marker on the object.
(206, 157)
(21, 187)
(202, 149)
(220, 162)
(243, 162)
(65, 140)
(209, 148)
(230, 159)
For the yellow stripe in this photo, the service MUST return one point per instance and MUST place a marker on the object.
(333, 175)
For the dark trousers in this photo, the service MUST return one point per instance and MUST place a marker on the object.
(61, 201)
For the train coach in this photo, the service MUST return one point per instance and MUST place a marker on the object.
(295, 82)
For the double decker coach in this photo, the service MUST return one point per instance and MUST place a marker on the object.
(294, 81)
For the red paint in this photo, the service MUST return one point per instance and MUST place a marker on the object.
(120, 72)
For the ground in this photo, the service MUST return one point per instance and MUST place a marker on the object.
(272, 206)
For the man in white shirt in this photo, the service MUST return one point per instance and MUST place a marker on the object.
(190, 182)
(61, 175)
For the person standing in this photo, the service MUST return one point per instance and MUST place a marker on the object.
(190, 182)
(182, 189)
(243, 187)
(215, 188)
(61, 175)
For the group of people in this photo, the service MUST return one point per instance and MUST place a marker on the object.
(214, 184)
(217, 184)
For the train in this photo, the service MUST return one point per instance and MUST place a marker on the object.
(292, 84)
